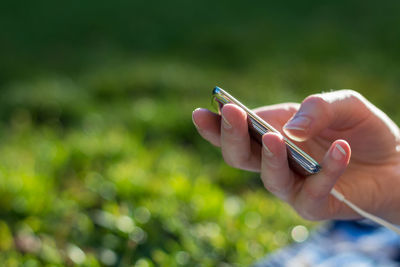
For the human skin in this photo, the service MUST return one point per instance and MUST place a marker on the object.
(332, 127)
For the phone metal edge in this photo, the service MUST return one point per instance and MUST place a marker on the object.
(305, 161)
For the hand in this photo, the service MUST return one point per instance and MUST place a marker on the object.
(324, 126)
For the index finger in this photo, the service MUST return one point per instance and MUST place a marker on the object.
(208, 123)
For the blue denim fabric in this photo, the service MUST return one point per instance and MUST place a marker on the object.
(341, 243)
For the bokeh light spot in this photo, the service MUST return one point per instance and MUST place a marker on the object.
(142, 215)
(233, 205)
(76, 254)
(182, 257)
(299, 233)
(125, 224)
(138, 235)
(108, 257)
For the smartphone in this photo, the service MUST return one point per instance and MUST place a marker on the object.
(299, 161)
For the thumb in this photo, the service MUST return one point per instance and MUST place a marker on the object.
(337, 110)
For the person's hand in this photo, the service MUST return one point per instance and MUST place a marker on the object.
(324, 126)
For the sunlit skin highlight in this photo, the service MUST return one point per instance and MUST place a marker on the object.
(333, 128)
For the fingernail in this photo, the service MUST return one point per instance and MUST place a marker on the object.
(225, 122)
(338, 153)
(267, 152)
(193, 118)
(299, 123)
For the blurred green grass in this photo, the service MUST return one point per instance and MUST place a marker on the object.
(100, 164)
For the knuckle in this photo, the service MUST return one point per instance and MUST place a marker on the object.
(272, 188)
(237, 161)
(319, 102)
(315, 99)
(313, 195)
(281, 190)
(309, 215)
(311, 212)
(323, 99)
(277, 191)
(229, 160)
(349, 95)
(353, 95)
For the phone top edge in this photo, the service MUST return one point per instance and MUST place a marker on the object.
(216, 90)
(226, 98)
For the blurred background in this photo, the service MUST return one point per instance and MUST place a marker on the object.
(100, 164)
